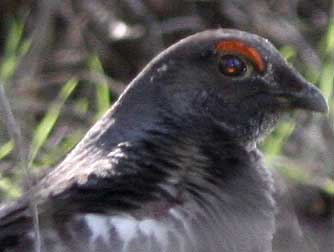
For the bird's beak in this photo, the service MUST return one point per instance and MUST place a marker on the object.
(310, 98)
(297, 93)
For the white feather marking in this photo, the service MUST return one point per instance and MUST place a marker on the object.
(163, 68)
(155, 229)
(129, 229)
(171, 190)
(99, 227)
(181, 218)
(126, 227)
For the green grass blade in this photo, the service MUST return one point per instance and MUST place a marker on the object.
(288, 52)
(289, 169)
(53, 156)
(328, 186)
(9, 188)
(273, 145)
(102, 89)
(49, 120)
(6, 149)
(329, 38)
(15, 48)
(14, 37)
(7, 68)
(326, 82)
(81, 106)
(24, 48)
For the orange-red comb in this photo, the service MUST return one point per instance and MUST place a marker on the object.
(234, 46)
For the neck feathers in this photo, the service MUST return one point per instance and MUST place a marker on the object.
(214, 195)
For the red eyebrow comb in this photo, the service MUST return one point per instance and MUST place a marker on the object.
(234, 46)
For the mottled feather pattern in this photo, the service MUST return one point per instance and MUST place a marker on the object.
(172, 198)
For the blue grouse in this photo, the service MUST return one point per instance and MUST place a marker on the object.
(173, 165)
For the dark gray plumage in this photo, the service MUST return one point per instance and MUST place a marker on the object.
(173, 166)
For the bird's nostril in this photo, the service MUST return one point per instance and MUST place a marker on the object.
(290, 80)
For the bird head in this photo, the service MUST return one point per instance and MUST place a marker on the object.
(235, 79)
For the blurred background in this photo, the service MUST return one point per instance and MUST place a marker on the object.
(63, 63)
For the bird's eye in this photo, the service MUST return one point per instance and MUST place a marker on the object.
(231, 65)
